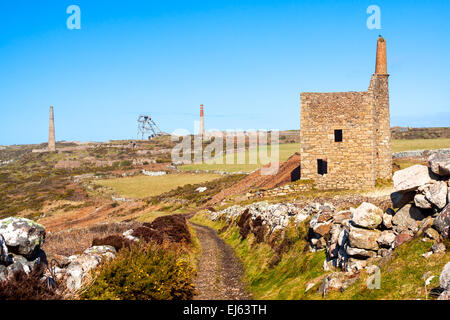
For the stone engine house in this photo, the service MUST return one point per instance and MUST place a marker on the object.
(345, 137)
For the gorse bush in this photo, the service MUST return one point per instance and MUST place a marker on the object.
(125, 163)
(144, 273)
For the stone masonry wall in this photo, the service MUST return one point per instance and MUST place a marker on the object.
(351, 163)
(379, 85)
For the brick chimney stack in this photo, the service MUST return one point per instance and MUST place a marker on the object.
(381, 64)
(202, 121)
(51, 133)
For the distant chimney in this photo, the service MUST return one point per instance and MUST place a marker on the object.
(381, 64)
(51, 133)
(202, 121)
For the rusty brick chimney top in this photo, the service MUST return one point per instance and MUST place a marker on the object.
(381, 64)
(202, 121)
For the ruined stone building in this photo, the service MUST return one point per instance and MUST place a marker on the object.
(345, 138)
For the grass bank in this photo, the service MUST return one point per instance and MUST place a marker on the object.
(285, 271)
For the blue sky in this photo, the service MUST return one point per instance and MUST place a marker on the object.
(246, 61)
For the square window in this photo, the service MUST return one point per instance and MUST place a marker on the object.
(322, 167)
(338, 135)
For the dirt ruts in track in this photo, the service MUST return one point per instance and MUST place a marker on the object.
(219, 270)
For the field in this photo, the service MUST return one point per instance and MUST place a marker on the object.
(145, 186)
(285, 151)
(288, 149)
(420, 144)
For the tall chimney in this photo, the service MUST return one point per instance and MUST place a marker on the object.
(51, 133)
(202, 121)
(381, 64)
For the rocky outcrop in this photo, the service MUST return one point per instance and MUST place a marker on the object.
(367, 216)
(410, 179)
(400, 199)
(407, 218)
(20, 250)
(20, 246)
(273, 216)
(435, 193)
(442, 222)
(386, 239)
(421, 202)
(444, 283)
(440, 163)
(80, 266)
(22, 236)
(363, 238)
(3, 250)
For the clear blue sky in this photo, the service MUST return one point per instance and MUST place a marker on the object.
(246, 61)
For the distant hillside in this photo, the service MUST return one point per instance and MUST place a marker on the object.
(419, 133)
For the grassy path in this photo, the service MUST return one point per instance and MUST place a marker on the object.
(219, 270)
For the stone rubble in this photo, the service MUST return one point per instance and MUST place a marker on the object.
(440, 163)
(201, 189)
(153, 173)
(410, 179)
(444, 283)
(20, 250)
(274, 216)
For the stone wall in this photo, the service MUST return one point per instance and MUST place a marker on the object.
(351, 163)
(418, 153)
(379, 88)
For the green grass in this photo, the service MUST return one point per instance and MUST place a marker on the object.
(145, 186)
(151, 215)
(401, 278)
(285, 151)
(406, 163)
(420, 144)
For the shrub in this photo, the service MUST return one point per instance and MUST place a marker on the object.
(126, 163)
(171, 228)
(144, 273)
(116, 241)
(244, 223)
(149, 235)
(24, 286)
(174, 226)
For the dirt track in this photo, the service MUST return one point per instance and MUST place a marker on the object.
(219, 270)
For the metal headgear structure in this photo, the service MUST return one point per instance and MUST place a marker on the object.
(146, 126)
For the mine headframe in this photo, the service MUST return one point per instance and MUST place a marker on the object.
(147, 127)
